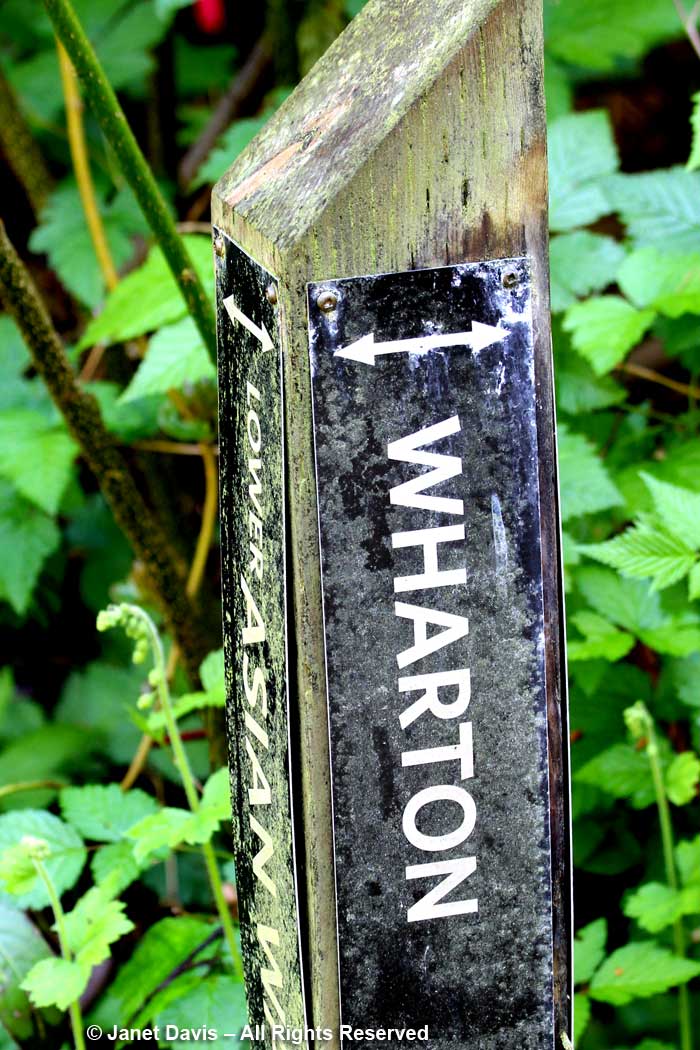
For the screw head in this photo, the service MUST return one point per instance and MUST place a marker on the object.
(271, 294)
(219, 246)
(509, 278)
(327, 302)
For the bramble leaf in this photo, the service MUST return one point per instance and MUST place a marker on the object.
(176, 355)
(64, 862)
(27, 537)
(105, 812)
(602, 640)
(604, 328)
(37, 457)
(589, 949)
(678, 508)
(644, 551)
(640, 970)
(660, 208)
(581, 151)
(668, 283)
(581, 263)
(595, 34)
(585, 484)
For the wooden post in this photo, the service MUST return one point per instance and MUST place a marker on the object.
(415, 146)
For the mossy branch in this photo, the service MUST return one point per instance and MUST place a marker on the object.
(20, 149)
(110, 116)
(82, 415)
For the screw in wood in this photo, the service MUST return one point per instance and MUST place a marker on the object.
(509, 278)
(219, 246)
(271, 294)
(327, 302)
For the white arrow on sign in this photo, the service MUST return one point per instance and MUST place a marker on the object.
(260, 333)
(366, 350)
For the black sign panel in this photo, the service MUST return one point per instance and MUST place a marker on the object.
(426, 447)
(255, 640)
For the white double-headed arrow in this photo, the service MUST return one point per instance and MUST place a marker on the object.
(260, 333)
(366, 350)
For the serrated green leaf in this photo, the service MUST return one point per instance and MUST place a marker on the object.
(589, 949)
(63, 235)
(694, 582)
(668, 283)
(18, 873)
(42, 754)
(597, 35)
(603, 641)
(682, 778)
(217, 1002)
(65, 861)
(585, 485)
(94, 924)
(56, 982)
(579, 389)
(176, 355)
(688, 861)
(161, 949)
(678, 508)
(105, 812)
(581, 151)
(211, 671)
(148, 298)
(582, 263)
(170, 827)
(38, 457)
(654, 906)
(184, 705)
(644, 551)
(216, 795)
(582, 1015)
(228, 147)
(100, 699)
(640, 970)
(129, 420)
(27, 537)
(660, 208)
(694, 158)
(114, 867)
(626, 602)
(622, 772)
(21, 947)
(603, 329)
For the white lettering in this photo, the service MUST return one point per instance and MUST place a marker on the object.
(429, 540)
(463, 751)
(430, 906)
(408, 450)
(429, 795)
(429, 701)
(455, 628)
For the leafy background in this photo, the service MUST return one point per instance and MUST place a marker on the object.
(145, 942)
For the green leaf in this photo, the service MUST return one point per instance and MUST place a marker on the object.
(216, 795)
(668, 283)
(147, 298)
(62, 235)
(161, 949)
(644, 551)
(170, 827)
(176, 355)
(94, 924)
(100, 699)
(678, 508)
(640, 970)
(67, 855)
(56, 982)
(211, 671)
(682, 778)
(27, 537)
(622, 772)
(582, 263)
(40, 754)
(688, 861)
(694, 582)
(656, 906)
(114, 867)
(38, 457)
(217, 1002)
(105, 812)
(14, 356)
(598, 35)
(581, 151)
(602, 639)
(582, 1015)
(661, 209)
(184, 705)
(585, 485)
(694, 158)
(21, 947)
(579, 389)
(128, 420)
(233, 141)
(604, 328)
(558, 90)
(589, 949)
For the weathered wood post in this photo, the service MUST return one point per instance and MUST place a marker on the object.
(391, 555)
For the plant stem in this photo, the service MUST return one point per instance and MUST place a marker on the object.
(661, 380)
(81, 167)
(20, 149)
(652, 749)
(183, 766)
(30, 785)
(76, 1017)
(110, 116)
(82, 415)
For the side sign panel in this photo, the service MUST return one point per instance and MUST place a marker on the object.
(426, 448)
(255, 640)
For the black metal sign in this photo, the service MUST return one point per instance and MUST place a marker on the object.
(255, 638)
(426, 447)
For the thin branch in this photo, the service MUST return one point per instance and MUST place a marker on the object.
(173, 448)
(112, 471)
(656, 377)
(228, 107)
(20, 149)
(690, 24)
(110, 116)
(81, 167)
(194, 582)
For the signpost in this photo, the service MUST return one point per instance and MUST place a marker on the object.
(398, 366)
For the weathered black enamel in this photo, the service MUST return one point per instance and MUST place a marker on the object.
(479, 981)
(244, 362)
